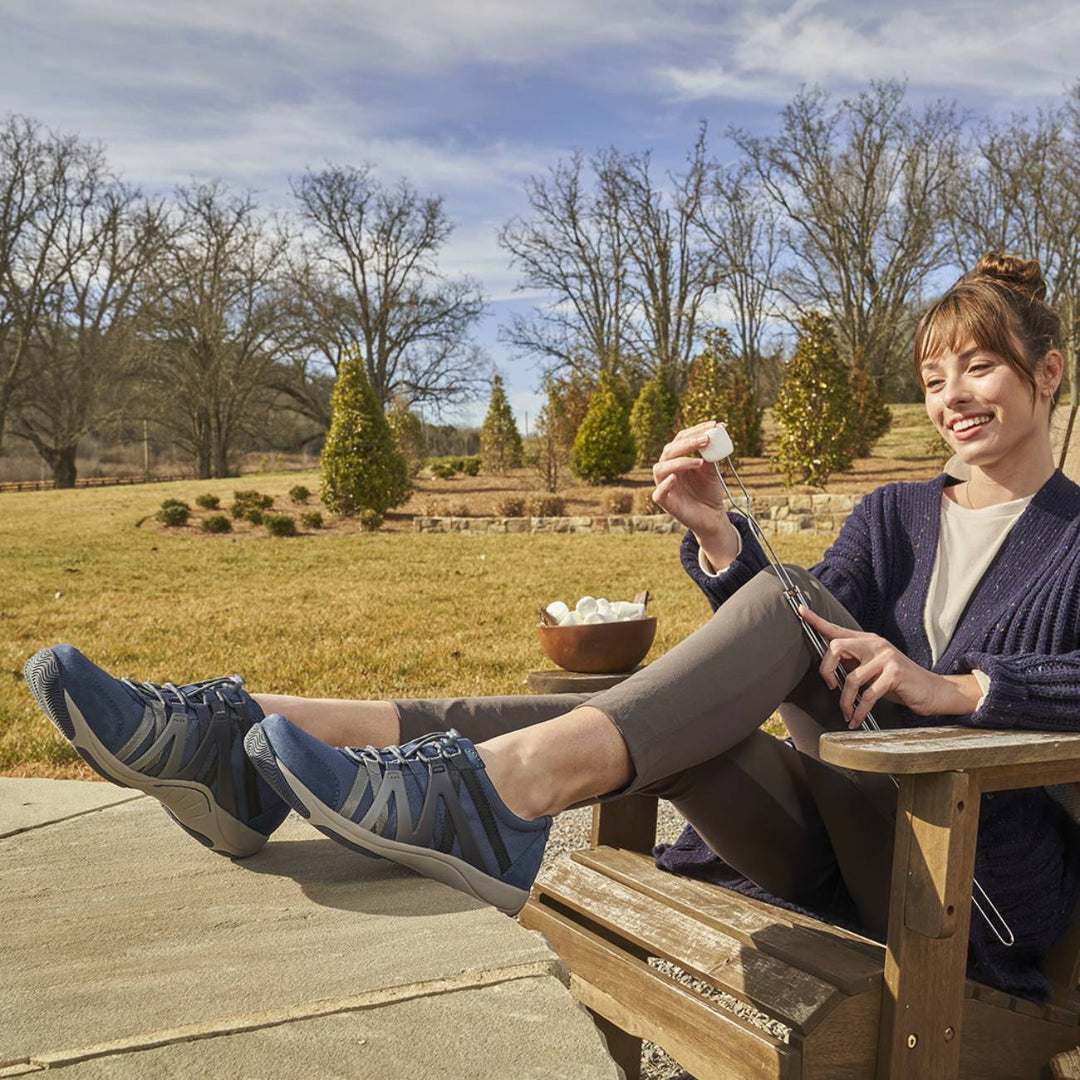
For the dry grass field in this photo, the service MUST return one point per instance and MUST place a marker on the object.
(343, 614)
(334, 612)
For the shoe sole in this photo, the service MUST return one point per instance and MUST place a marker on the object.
(190, 804)
(443, 867)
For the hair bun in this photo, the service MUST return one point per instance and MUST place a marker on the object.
(1023, 275)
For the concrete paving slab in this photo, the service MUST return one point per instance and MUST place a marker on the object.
(29, 803)
(513, 1029)
(118, 926)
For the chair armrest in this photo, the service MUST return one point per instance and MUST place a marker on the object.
(1004, 758)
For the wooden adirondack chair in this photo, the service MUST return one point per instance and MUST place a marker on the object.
(855, 1009)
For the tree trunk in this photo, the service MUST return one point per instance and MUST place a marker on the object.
(62, 462)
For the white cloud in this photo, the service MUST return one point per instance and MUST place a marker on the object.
(996, 48)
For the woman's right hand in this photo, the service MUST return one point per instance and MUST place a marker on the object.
(688, 487)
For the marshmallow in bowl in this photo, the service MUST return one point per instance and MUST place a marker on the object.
(590, 610)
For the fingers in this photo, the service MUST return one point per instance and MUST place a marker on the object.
(691, 438)
(662, 469)
(869, 697)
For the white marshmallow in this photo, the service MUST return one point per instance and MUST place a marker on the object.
(720, 445)
(586, 606)
(557, 609)
(571, 618)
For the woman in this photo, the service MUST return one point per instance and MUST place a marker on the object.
(946, 602)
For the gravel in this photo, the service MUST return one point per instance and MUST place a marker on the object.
(571, 832)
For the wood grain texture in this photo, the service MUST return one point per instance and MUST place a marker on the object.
(625, 823)
(793, 996)
(922, 1005)
(939, 749)
(1000, 1044)
(711, 1042)
(1066, 1065)
(936, 888)
(849, 962)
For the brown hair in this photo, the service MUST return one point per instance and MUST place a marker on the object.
(1001, 306)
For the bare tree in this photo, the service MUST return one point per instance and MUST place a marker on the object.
(45, 180)
(674, 267)
(573, 248)
(1022, 194)
(740, 222)
(218, 320)
(863, 189)
(370, 280)
(83, 343)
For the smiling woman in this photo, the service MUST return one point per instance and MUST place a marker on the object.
(988, 356)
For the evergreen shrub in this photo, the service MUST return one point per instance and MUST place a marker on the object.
(814, 407)
(255, 515)
(500, 440)
(370, 520)
(651, 419)
(173, 512)
(871, 417)
(280, 524)
(719, 389)
(299, 494)
(362, 468)
(216, 523)
(311, 519)
(206, 501)
(408, 430)
(603, 448)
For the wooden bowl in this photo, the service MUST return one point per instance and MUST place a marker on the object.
(599, 648)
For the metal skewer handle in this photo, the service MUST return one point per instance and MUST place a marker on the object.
(796, 598)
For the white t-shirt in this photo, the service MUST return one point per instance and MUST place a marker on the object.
(967, 543)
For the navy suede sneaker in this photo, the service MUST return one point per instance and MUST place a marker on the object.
(428, 805)
(181, 744)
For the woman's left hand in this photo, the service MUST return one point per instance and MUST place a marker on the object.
(875, 669)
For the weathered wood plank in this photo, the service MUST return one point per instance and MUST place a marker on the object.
(1066, 1066)
(793, 996)
(1000, 1044)
(935, 886)
(922, 1005)
(711, 1042)
(939, 749)
(625, 823)
(847, 961)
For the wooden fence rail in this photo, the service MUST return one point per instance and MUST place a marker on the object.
(88, 482)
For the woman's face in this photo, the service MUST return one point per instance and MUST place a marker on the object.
(981, 405)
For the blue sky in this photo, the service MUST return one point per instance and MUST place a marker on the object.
(469, 97)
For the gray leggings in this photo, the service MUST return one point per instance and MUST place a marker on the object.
(691, 721)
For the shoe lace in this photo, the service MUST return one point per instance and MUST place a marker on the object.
(439, 744)
(187, 697)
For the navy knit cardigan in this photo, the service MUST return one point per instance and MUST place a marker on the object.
(1022, 627)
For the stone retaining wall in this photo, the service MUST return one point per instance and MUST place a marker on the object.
(779, 515)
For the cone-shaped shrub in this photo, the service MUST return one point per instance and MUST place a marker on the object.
(408, 431)
(603, 447)
(361, 466)
(871, 416)
(500, 440)
(719, 389)
(651, 418)
(814, 407)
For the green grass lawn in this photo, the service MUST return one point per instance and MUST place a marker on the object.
(344, 614)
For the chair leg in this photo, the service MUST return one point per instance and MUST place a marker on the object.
(622, 1046)
(625, 823)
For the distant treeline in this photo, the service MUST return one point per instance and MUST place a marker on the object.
(223, 325)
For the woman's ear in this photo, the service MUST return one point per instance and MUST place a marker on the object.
(1050, 372)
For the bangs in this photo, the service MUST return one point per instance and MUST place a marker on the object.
(970, 313)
